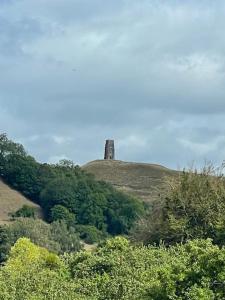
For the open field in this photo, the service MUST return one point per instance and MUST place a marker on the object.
(11, 201)
(145, 181)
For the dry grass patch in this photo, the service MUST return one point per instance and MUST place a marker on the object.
(145, 181)
(11, 201)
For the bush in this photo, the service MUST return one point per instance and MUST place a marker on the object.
(90, 234)
(56, 237)
(25, 212)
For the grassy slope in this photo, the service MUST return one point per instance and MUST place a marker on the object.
(11, 201)
(146, 181)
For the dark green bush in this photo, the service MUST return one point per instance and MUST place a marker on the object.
(25, 212)
(90, 234)
(59, 212)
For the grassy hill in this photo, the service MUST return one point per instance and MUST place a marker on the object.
(11, 201)
(146, 181)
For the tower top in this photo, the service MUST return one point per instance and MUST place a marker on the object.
(109, 150)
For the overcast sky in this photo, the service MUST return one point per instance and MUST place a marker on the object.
(149, 74)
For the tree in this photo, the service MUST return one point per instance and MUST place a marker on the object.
(59, 212)
(59, 191)
(194, 208)
(122, 212)
(34, 273)
(8, 147)
(67, 237)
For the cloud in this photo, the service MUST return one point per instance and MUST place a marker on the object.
(150, 74)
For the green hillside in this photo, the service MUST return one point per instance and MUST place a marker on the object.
(146, 181)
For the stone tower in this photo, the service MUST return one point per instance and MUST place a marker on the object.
(109, 150)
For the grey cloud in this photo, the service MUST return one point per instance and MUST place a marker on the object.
(149, 74)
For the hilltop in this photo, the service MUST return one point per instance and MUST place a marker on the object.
(11, 201)
(145, 181)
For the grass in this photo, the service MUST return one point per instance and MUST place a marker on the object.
(145, 181)
(11, 201)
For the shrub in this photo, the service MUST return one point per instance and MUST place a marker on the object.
(90, 234)
(56, 237)
(25, 212)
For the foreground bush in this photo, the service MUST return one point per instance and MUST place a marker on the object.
(33, 273)
(117, 270)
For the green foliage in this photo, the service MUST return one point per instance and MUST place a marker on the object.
(67, 193)
(25, 212)
(33, 273)
(121, 271)
(195, 208)
(116, 270)
(21, 172)
(5, 244)
(65, 236)
(90, 234)
(56, 237)
(8, 148)
(59, 212)
(122, 212)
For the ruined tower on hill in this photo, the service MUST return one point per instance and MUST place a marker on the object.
(109, 150)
